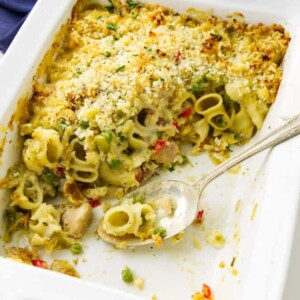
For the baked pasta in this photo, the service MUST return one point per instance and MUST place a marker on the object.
(122, 88)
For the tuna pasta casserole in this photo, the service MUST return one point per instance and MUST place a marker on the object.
(122, 88)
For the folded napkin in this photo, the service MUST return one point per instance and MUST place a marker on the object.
(12, 15)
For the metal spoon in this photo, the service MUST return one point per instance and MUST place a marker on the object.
(186, 197)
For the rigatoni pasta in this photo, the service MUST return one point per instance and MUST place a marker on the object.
(119, 92)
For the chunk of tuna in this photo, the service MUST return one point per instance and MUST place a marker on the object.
(167, 154)
(76, 220)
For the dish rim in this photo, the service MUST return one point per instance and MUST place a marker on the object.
(30, 35)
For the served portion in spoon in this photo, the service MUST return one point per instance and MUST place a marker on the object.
(147, 215)
(161, 209)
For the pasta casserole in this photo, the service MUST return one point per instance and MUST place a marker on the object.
(122, 88)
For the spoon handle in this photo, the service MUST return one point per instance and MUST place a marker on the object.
(276, 136)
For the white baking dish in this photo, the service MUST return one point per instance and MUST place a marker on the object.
(258, 233)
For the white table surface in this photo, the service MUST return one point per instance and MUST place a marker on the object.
(292, 288)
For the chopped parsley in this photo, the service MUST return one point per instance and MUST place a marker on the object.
(81, 138)
(226, 99)
(49, 177)
(133, 4)
(110, 7)
(127, 275)
(115, 164)
(172, 169)
(107, 54)
(120, 69)
(10, 216)
(107, 135)
(111, 26)
(219, 120)
(122, 138)
(198, 86)
(78, 71)
(159, 135)
(62, 125)
(84, 124)
(238, 138)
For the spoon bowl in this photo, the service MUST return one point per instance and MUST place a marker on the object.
(185, 197)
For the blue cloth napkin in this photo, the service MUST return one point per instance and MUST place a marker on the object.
(12, 15)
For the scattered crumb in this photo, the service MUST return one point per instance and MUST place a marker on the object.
(218, 157)
(222, 265)
(105, 206)
(154, 297)
(237, 206)
(75, 261)
(215, 239)
(197, 244)
(121, 245)
(198, 296)
(236, 235)
(235, 170)
(254, 211)
(178, 237)
(23, 255)
(138, 282)
(84, 260)
(157, 240)
(234, 271)
(62, 266)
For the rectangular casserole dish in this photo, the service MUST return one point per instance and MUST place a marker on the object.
(255, 209)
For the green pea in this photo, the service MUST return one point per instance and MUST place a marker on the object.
(76, 248)
(138, 199)
(127, 275)
(162, 232)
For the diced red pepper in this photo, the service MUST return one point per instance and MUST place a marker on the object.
(186, 113)
(139, 175)
(94, 202)
(159, 144)
(199, 217)
(60, 171)
(206, 291)
(179, 57)
(39, 263)
(175, 123)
